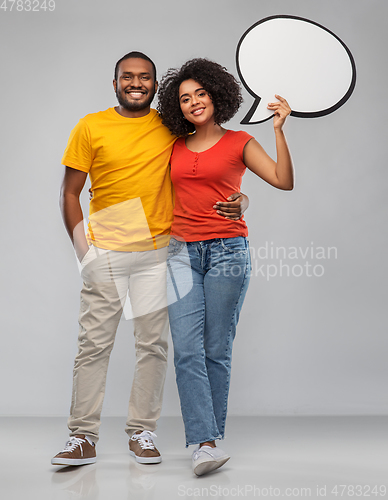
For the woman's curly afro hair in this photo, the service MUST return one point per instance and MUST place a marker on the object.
(223, 88)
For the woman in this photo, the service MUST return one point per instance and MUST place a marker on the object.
(209, 259)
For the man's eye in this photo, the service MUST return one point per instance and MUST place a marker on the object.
(145, 77)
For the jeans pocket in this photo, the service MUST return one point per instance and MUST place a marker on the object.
(175, 247)
(237, 245)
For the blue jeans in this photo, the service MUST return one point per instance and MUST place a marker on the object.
(214, 277)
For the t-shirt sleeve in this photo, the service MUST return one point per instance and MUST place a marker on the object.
(78, 152)
(242, 138)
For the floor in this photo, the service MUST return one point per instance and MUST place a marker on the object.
(294, 457)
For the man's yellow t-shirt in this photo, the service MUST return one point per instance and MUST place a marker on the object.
(128, 163)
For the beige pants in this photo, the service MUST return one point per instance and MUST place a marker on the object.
(109, 277)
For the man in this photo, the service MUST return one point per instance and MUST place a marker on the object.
(125, 150)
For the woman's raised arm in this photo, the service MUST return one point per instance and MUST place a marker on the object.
(279, 174)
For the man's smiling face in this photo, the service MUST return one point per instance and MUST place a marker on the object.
(135, 86)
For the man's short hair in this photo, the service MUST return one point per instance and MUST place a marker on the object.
(134, 55)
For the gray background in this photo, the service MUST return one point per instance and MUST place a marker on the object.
(305, 345)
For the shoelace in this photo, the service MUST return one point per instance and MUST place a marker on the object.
(72, 444)
(145, 440)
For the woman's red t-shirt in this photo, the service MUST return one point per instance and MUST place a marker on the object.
(202, 179)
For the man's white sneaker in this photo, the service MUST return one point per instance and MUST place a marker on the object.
(206, 459)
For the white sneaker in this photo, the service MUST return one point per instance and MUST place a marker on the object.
(206, 459)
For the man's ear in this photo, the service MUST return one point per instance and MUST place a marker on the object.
(156, 87)
(114, 85)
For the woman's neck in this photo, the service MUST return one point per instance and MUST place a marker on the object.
(208, 131)
(205, 137)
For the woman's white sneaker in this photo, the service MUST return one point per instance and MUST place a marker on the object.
(206, 459)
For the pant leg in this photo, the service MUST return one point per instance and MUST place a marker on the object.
(147, 293)
(102, 299)
(225, 286)
(187, 322)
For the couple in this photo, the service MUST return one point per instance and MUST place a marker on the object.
(127, 151)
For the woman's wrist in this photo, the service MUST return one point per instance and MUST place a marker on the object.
(279, 131)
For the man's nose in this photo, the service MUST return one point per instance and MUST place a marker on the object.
(136, 81)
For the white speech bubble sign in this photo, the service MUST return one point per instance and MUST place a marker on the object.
(298, 59)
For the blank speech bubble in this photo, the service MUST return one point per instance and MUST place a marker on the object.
(298, 59)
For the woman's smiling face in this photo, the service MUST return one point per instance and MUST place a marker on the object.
(196, 104)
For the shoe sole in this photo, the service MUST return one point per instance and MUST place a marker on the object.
(210, 465)
(145, 460)
(73, 461)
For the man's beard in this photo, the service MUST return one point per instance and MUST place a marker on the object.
(134, 105)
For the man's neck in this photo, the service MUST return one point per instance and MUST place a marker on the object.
(132, 114)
